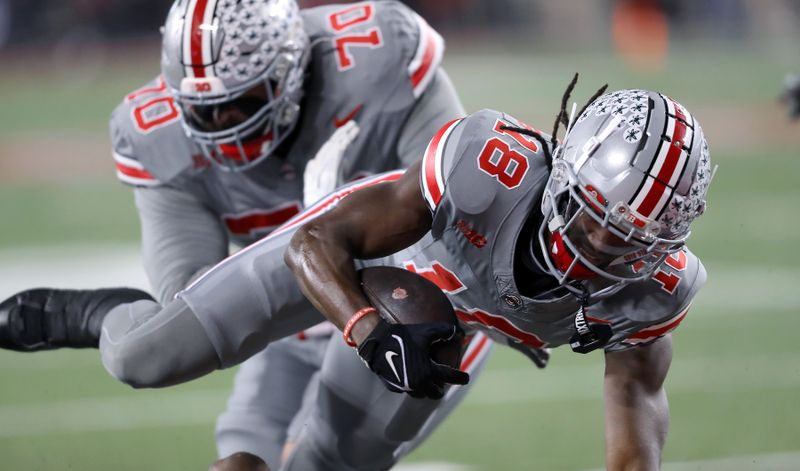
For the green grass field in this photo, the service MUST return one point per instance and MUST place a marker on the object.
(734, 383)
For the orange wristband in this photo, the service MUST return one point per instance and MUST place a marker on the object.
(352, 322)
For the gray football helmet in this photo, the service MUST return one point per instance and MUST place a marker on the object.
(236, 69)
(627, 182)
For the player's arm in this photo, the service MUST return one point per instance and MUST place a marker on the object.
(372, 222)
(181, 238)
(636, 409)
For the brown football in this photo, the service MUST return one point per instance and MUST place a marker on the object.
(403, 297)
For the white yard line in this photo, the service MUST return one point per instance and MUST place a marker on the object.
(71, 267)
(733, 288)
(771, 462)
(164, 408)
(433, 466)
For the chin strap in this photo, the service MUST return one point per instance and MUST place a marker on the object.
(588, 336)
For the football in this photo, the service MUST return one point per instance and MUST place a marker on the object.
(403, 297)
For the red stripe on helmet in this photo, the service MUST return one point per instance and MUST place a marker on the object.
(662, 174)
(667, 170)
(197, 38)
(653, 197)
(674, 153)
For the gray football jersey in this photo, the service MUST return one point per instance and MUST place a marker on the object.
(370, 62)
(482, 183)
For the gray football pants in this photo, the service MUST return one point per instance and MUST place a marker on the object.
(232, 313)
(258, 416)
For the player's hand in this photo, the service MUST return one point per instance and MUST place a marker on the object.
(401, 356)
(539, 356)
(321, 173)
(791, 95)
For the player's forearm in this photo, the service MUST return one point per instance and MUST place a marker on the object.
(636, 407)
(636, 431)
(322, 252)
(325, 272)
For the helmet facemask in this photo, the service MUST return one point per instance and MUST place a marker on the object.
(608, 163)
(269, 110)
(236, 70)
(612, 243)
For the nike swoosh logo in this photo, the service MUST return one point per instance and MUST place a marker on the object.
(390, 360)
(341, 122)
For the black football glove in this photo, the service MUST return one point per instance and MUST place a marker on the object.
(791, 95)
(539, 356)
(401, 356)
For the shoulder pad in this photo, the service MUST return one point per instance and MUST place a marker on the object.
(460, 143)
(148, 142)
(654, 307)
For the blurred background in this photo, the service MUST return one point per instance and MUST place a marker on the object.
(735, 380)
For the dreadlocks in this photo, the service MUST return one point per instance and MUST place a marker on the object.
(561, 118)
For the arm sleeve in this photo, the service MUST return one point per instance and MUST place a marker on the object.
(181, 239)
(437, 105)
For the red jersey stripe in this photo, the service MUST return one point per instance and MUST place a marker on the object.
(500, 324)
(261, 220)
(427, 56)
(481, 343)
(433, 186)
(134, 172)
(662, 329)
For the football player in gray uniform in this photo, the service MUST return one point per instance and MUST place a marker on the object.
(260, 109)
(538, 243)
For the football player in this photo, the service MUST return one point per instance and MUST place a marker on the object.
(219, 149)
(538, 243)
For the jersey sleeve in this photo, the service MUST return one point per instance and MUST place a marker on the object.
(663, 304)
(423, 46)
(149, 146)
(129, 169)
(442, 152)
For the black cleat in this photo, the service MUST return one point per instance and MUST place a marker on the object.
(46, 319)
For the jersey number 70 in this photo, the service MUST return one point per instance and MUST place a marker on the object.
(346, 19)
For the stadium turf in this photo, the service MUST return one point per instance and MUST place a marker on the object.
(734, 381)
